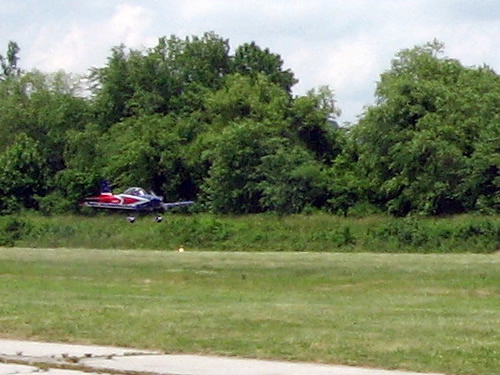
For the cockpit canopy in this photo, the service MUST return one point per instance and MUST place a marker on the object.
(137, 191)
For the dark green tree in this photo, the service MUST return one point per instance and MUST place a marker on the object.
(313, 121)
(251, 60)
(42, 107)
(243, 97)
(173, 76)
(256, 151)
(421, 144)
(112, 88)
(23, 174)
(235, 174)
(147, 151)
(293, 179)
(9, 62)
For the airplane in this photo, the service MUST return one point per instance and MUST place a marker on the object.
(134, 199)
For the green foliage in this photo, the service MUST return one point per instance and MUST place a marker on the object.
(82, 175)
(56, 203)
(147, 151)
(439, 236)
(337, 237)
(422, 147)
(23, 174)
(205, 229)
(293, 181)
(38, 112)
(233, 184)
(12, 229)
(189, 120)
(312, 232)
(8, 63)
(348, 184)
(264, 159)
(313, 122)
(83, 149)
(44, 107)
(171, 77)
(241, 98)
(407, 232)
(251, 60)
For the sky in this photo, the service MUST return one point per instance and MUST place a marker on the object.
(345, 44)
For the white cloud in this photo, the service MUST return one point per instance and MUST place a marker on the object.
(84, 43)
(474, 45)
(129, 25)
(343, 44)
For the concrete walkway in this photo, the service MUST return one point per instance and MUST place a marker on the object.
(27, 357)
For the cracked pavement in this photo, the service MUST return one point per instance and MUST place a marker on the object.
(29, 357)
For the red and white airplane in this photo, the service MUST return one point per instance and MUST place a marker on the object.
(134, 199)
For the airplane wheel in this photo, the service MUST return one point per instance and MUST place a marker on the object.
(159, 219)
(131, 219)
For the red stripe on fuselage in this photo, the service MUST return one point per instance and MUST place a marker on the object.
(117, 199)
(129, 200)
(108, 199)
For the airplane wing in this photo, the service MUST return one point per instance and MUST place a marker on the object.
(115, 206)
(169, 205)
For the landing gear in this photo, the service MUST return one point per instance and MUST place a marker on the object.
(131, 219)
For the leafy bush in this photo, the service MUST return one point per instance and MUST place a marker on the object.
(406, 232)
(54, 203)
(480, 234)
(22, 175)
(443, 235)
(12, 229)
(262, 232)
(336, 238)
(205, 230)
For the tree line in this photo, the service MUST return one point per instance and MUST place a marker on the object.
(191, 120)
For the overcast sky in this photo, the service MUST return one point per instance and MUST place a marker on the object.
(345, 44)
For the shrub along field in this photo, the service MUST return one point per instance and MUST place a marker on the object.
(265, 232)
(430, 313)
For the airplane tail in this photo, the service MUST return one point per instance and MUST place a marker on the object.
(169, 205)
(106, 187)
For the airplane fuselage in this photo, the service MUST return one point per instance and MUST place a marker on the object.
(124, 201)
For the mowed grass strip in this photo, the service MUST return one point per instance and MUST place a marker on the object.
(436, 313)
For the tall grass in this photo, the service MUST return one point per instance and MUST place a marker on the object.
(266, 232)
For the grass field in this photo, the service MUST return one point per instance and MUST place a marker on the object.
(417, 312)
